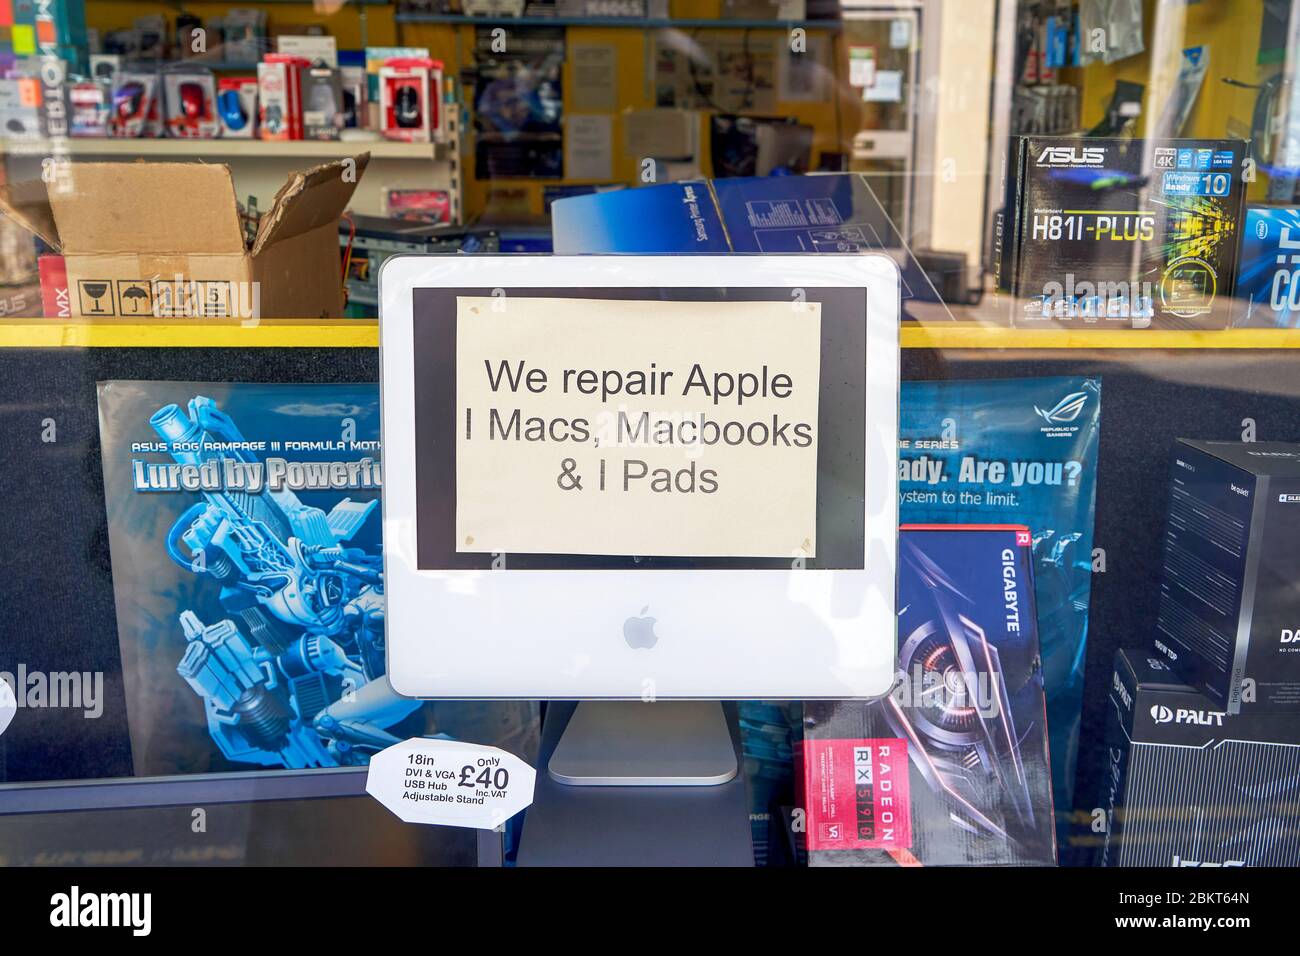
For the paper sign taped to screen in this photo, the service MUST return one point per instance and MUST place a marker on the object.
(646, 428)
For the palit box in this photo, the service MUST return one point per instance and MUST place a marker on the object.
(1120, 233)
(1268, 283)
(952, 767)
(1229, 619)
(1190, 785)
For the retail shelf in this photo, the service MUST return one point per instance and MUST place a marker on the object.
(224, 148)
(960, 335)
(364, 333)
(628, 23)
(330, 4)
(268, 333)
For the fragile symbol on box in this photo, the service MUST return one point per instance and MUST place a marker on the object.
(93, 296)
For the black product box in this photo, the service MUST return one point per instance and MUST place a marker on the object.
(1191, 785)
(1121, 233)
(951, 768)
(1229, 619)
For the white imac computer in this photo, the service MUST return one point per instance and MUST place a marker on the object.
(628, 478)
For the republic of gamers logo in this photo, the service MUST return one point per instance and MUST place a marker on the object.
(1066, 410)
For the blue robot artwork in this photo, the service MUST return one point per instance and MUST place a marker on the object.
(293, 674)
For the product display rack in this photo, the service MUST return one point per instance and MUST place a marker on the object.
(260, 167)
(628, 23)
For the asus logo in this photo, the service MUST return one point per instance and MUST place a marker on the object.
(1184, 715)
(1072, 156)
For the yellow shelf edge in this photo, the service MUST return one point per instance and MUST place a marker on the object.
(340, 333)
(969, 336)
(364, 333)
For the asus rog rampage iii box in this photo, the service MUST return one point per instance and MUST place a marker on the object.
(1190, 785)
(952, 767)
(1229, 620)
(1121, 233)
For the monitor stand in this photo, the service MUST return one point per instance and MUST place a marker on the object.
(619, 743)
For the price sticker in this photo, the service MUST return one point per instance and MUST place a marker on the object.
(450, 783)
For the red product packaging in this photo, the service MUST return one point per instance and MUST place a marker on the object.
(279, 91)
(410, 99)
(54, 286)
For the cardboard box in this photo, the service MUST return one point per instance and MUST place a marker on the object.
(950, 769)
(1229, 619)
(164, 240)
(1189, 785)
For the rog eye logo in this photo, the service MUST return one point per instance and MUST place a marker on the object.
(1066, 410)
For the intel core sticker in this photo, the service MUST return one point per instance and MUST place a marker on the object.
(587, 426)
(857, 794)
(450, 783)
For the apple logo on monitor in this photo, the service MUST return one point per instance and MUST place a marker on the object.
(639, 632)
(8, 705)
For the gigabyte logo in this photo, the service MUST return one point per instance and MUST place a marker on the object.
(1184, 715)
(1072, 156)
(74, 908)
(1066, 410)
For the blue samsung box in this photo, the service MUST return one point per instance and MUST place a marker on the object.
(834, 212)
(1268, 283)
(674, 217)
(957, 753)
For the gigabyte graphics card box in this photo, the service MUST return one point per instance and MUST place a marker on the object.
(1268, 283)
(1121, 233)
(951, 768)
(1190, 785)
(1229, 621)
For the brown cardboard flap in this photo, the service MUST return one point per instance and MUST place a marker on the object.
(309, 200)
(148, 208)
(28, 205)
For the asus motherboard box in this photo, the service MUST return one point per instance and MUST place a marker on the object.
(1229, 618)
(1121, 233)
(1191, 785)
(951, 768)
